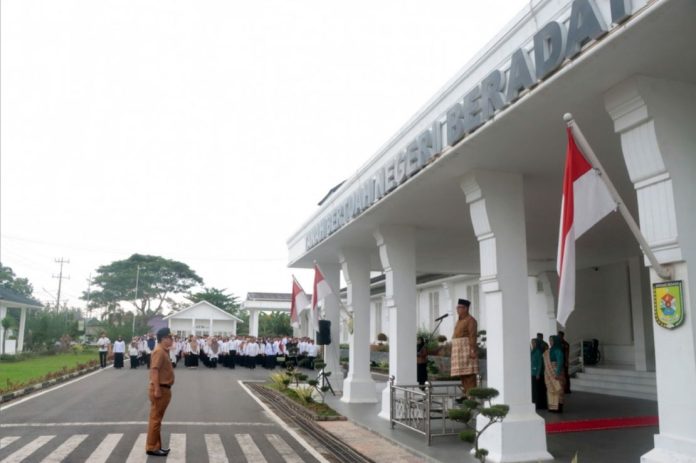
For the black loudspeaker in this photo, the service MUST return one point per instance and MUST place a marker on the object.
(324, 333)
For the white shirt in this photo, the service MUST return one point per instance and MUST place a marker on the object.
(312, 350)
(133, 351)
(103, 344)
(252, 349)
(119, 347)
(269, 349)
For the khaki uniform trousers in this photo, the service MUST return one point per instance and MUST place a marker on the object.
(157, 408)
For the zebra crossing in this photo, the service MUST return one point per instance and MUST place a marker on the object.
(112, 447)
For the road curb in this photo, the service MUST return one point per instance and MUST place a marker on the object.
(43, 385)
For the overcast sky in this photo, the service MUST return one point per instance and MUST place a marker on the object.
(204, 132)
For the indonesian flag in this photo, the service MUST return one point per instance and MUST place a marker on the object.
(586, 200)
(299, 302)
(320, 291)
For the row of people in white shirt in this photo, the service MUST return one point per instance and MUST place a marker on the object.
(243, 345)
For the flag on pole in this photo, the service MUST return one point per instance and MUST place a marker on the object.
(320, 291)
(299, 302)
(586, 200)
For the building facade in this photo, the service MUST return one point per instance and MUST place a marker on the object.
(471, 187)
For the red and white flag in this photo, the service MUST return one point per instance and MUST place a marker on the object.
(299, 302)
(320, 291)
(586, 200)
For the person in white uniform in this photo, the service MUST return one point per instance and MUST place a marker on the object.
(103, 343)
(119, 352)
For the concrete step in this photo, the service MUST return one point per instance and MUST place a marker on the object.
(614, 371)
(582, 386)
(618, 380)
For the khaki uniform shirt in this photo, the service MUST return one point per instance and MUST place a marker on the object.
(161, 361)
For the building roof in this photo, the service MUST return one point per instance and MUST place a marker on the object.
(331, 191)
(199, 304)
(11, 298)
(278, 297)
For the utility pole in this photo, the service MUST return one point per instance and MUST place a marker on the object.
(135, 298)
(60, 277)
(89, 295)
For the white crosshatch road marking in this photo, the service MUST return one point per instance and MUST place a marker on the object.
(5, 441)
(137, 453)
(249, 449)
(216, 452)
(104, 450)
(28, 449)
(283, 448)
(67, 450)
(177, 446)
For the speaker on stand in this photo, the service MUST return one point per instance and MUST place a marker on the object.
(324, 339)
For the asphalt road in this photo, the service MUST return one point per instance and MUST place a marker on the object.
(102, 417)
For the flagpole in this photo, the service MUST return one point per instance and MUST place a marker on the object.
(337, 295)
(663, 272)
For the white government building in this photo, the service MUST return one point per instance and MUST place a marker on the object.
(470, 188)
(202, 319)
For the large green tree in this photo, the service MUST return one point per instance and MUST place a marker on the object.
(275, 324)
(227, 302)
(9, 280)
(157, 278)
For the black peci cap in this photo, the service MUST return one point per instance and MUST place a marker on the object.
(463, 302)
(163, 333)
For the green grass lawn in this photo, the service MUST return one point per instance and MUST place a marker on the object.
(26, 371)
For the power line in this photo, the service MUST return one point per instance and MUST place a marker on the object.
(60, 277)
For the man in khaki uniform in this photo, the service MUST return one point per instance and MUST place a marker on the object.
(160, 392)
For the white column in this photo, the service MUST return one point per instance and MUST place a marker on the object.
(193, 326)
(253, 322)
(358, 387)
(3, 314)
(22, 325)
(496, 204)
(210, 330)
(643, 344)
(331, 308)
(397, 252)
(656, 119)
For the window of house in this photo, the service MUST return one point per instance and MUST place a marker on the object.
(434, 306)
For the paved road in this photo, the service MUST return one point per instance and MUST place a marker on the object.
(103, 418)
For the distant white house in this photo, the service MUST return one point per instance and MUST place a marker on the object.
(202, 318)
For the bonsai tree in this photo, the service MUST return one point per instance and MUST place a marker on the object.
(442, 338)
(479, 403)
(381, 337)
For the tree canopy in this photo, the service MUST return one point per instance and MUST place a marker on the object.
(9, 280)
(157, 279)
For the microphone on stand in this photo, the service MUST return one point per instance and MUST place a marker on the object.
(442, 317)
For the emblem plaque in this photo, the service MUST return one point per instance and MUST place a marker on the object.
(668, 304)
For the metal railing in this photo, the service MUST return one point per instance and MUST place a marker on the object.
(415, 407)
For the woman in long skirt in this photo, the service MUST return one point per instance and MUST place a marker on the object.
(133, 353)
(192, 351)
(538, 380)
(553, 373)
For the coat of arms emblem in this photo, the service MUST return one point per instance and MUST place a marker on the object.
(668, 304)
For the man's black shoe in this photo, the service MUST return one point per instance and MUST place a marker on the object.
(157, 453)
(165, 450)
